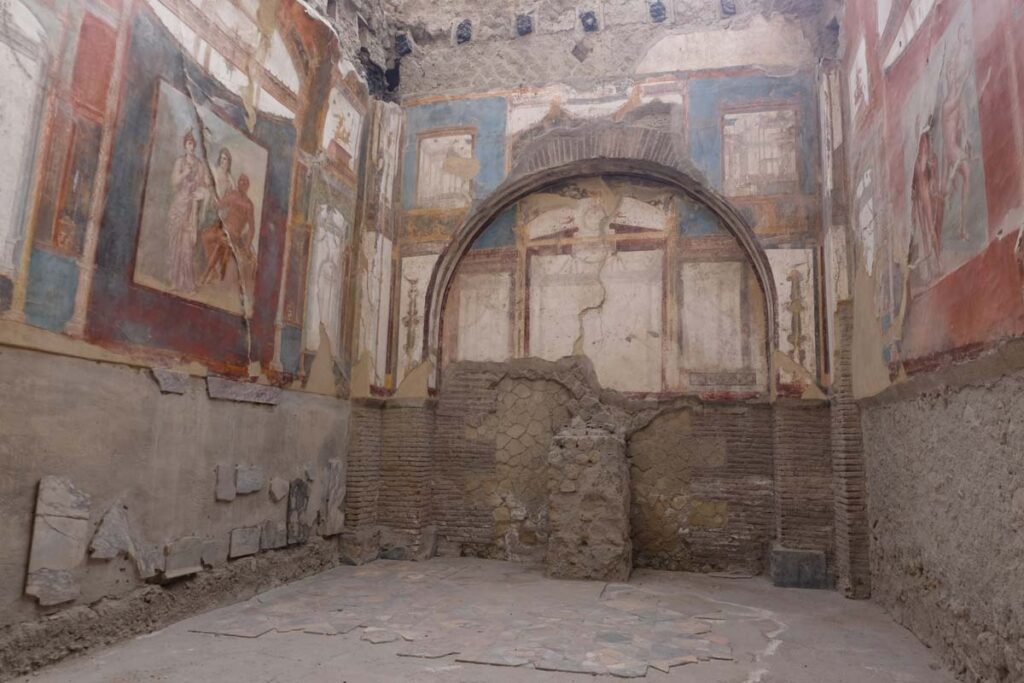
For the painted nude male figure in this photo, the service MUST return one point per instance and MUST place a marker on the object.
(926, 204)
(237, 223)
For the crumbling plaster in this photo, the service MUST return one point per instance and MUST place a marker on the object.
(701, 475)
(559, 51)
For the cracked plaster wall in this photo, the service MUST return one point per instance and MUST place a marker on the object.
(641, 280)
(111, 431)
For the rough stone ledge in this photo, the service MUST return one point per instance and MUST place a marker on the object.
(392, 403)
(30, 645)
(243, 392)
(988, 366)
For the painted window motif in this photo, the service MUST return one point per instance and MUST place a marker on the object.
(760, 152)
(446, 168)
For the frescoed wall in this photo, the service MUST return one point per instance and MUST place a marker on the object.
(934, 112)
(180, 231)
(751, 136)
(207, 218)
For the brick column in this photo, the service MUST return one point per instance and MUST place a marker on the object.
(853, 569)
(361, 537)
(404, 504)
(803, 494)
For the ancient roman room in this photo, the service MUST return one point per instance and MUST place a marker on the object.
(512, 340)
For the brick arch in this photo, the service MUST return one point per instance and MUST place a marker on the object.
(585, 151)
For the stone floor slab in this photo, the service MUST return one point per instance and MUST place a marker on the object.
(462, 619)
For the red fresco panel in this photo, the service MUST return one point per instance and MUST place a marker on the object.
(982, 301)
(94, 62)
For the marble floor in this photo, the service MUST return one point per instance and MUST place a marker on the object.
(480, 620)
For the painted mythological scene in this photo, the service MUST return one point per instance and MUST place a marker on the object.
(199, 238)
(945, 209)
(936, 190)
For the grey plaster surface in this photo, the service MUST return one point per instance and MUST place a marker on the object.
(476, 620)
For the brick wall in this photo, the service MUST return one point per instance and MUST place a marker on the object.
(464, 459)
(405, 465)
(743, 484)
(713, 484)
(363, 476)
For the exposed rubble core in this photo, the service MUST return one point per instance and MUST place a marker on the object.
(588, 505)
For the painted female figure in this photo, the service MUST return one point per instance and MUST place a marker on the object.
(223, 180)
(191, 184)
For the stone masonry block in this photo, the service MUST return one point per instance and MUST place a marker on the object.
(799, 568)
(226, 490)
(248, 479)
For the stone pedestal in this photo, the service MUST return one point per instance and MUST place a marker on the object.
(588, 506)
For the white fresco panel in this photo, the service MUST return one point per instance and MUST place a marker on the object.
(281, 65)
(623, 336)
(561, 285)
(342, 129)
(712, 316)
(916, 13)
(19, 73)
(485, 311)
(763, 42)
(859, 85)
(374, 309)
(326, 278)
(640, 214)
(446, 170)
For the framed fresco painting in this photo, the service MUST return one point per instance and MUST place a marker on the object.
(199, 237)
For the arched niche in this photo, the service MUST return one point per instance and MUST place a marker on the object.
(648, 157)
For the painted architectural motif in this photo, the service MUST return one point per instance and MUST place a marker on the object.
(636, 277)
